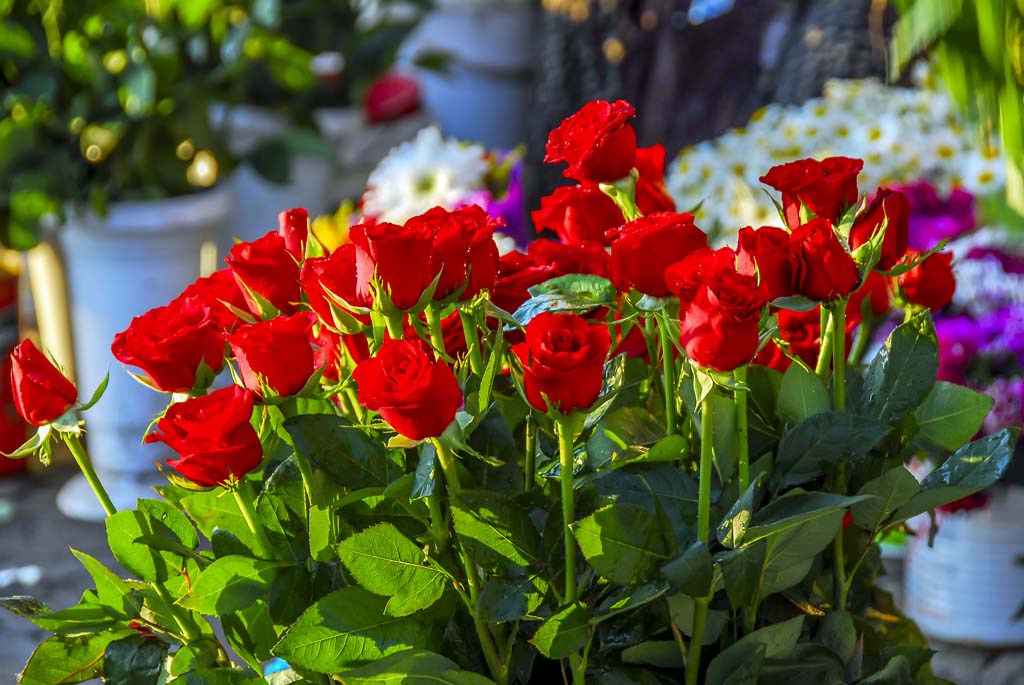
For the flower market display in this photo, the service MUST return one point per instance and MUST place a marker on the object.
(620, 456)
(903, 134)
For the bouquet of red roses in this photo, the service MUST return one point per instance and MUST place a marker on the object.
(622, 456)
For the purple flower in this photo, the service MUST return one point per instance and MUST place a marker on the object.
(508, 206)
(959, 341)
(932, 219)
(1009, 407)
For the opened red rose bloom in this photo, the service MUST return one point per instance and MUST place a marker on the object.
(764, 253)
(399, 257)
(827, 188)
(277, 352)
(267, 271)
(931, 283)
(578, 214)
(822, 268)
(645, 247)
(464, 252)
(220, 292)
(596, 142)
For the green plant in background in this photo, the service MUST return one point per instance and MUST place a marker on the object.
(977, 47)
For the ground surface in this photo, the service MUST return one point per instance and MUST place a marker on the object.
(32, 531)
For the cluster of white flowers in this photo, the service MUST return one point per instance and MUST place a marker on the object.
(902, 134)
(425, 172)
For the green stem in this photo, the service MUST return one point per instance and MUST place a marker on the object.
(244, 497)
(189, 630)
(825, 346)
(436, 334)
(838, 330)
(860, 342)
(476, 360)
(394, 322)
(566, 461)
(700, 619)
(82, 459)
(447, 459)
(742, 444)
(668, 370)
(530, 465)
(707, 432)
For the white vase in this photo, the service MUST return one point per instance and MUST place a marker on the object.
(257, 200)
(968, 587)
(484, 95)
(141, 255)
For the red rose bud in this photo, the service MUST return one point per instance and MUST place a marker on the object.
(651, 194)
(719, 326)
(893, 209)
(265, 270)
(220, 292)
(169, 344)
(41, 392)
(391, 97)
(827, 188)
(277, 352)
(335, 275)
(802, 332)
(400, 258)
(764, 253)
(576, 258)
(578, 214)
(596, 142)
(822, 268)
(464, 251)
(931, 283)
(415, 394)
(212, 436)
(517, 273)
(293, 226)
(645, 247)
(563, 360)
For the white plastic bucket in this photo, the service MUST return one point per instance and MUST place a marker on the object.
(141, 255)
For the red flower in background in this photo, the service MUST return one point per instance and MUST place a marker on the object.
(391, 97)
(645, 247)
(827, 188)
(931, 283)
(41, 392)
(822, 268)
(764, 253)
(400, 258)
(875, 292)
(212, 435)
(336, 275)
(517, 273)
(170, 343)
(893, 209)
(651, 194)
(578, 214)
(265, 269)
(277, 351)
(576, 258)
(415, 394)
(563, 359)
(596, 142)
(293, 226)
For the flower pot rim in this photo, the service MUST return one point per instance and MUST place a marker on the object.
(182, 212)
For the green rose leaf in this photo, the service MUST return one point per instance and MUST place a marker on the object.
(111, 591)
(135, 660)
(888, 492)
(232, 583)
(623, 542)
(801, 395)
(903, 372)
(387, 563)
(564, 633)
(692, 572)
(816, 444)
(342, 451)
(346, 629)
(950, 416)
(496, 528)
(771, 642)
(62, 660)
(509, 599)
(413, 667)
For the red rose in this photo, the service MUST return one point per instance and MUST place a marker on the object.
(391, 97)
(220, 292)
(578, 214)
(931, 283)
(651, 194)
(719, 325)
(893, 209)
(335, 275)
(822, 268)
(645, 247)
(212, 436)
(293, 226)
(764, 253)
(41, 392)
(685, 278)
(563, 359)
(415, 394)
(400, 258)
(827, 188)
(577, 258)
(266, 270)
(633, 344)
(170, 344)
(464, 251)
(596, 142)
(876, 291)
(802, 330)
(517, 273)
(277, 352)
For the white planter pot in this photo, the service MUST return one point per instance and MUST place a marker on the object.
(140, 256)
(968, 587)
(485, 94)
(257, 200)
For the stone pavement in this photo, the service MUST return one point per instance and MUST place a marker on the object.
(36, 533)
